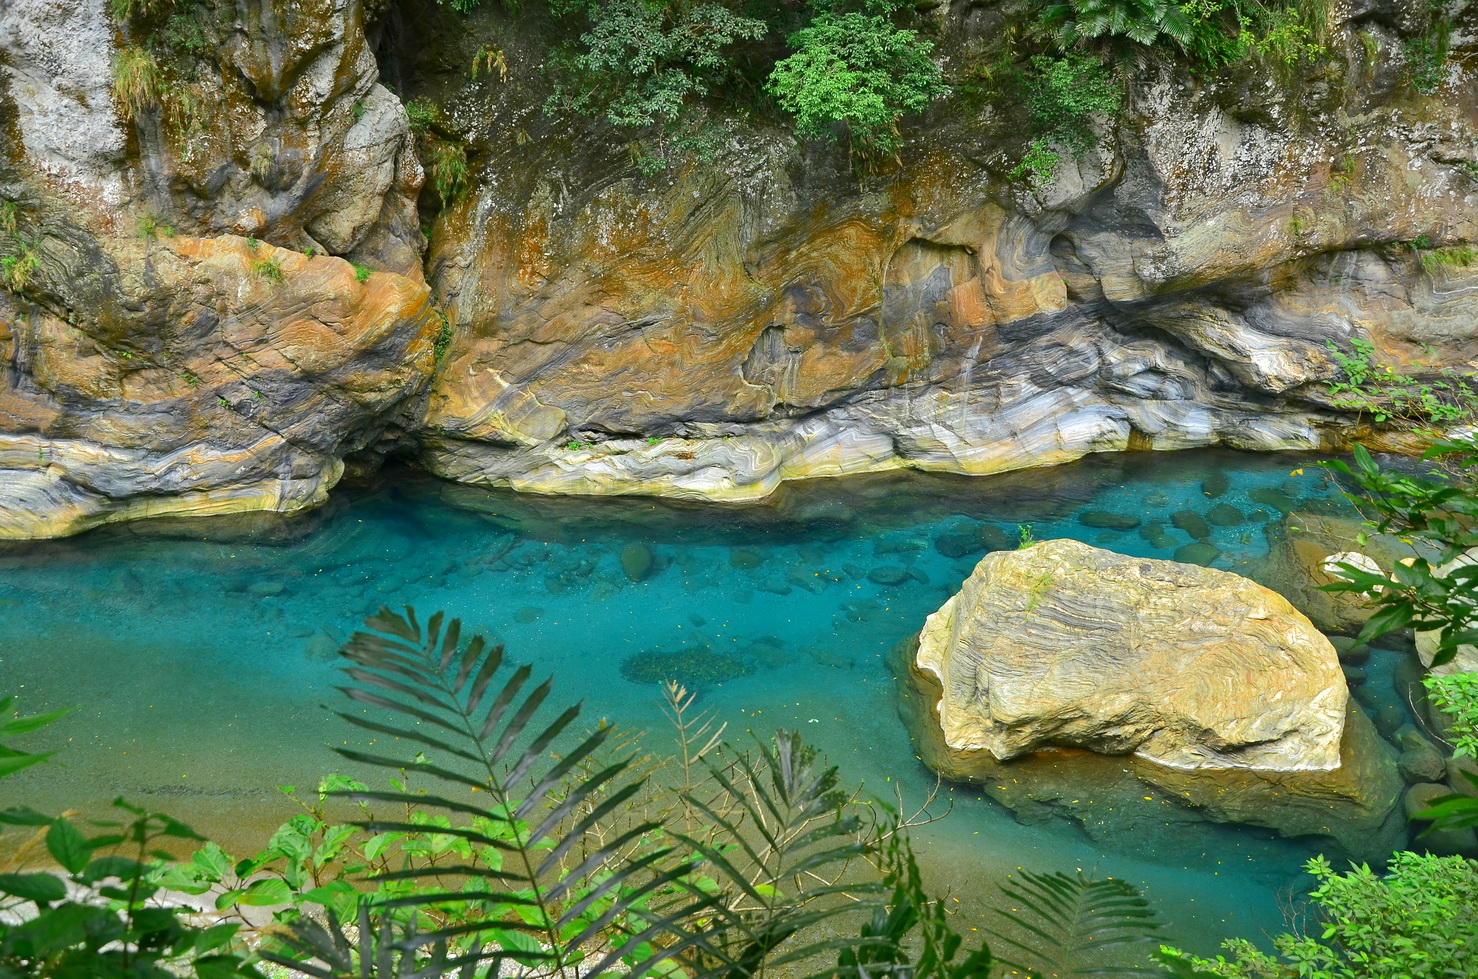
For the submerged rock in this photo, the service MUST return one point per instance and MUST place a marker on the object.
(1225, 515)
(1065, 644)
(1107, 520)
(1302, 551)
(889, 575)
(692, 666)
(1216, 485)
(1192, 523)
(636, 561)
(1200, 694)
(1197, 552)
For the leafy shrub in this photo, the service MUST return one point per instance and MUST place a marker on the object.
(1209, 33)
(1456, 694)
(362, 272)
(1388, 396)
(858, 71)
(1416, 921)
(1142, 21)
(645, 63)
(443, 154)
(19, 265)
(1062, 95)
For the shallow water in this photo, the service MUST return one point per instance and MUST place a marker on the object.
(201, 651)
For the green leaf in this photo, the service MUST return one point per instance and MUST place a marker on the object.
(24, 725)
(67, 846)
(41, 888)
(269, 890)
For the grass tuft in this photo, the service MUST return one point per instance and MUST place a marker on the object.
(137, 81)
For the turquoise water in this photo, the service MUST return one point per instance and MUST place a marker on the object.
(201, 651)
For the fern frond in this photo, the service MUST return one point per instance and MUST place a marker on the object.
(1076, 918)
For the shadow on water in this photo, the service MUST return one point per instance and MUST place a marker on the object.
(201, 650)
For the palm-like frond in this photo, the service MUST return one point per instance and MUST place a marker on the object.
(1078, 921)
(548, 870)
(782, 848)
(374, 953)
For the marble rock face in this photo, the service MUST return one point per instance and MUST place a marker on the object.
(1068, 645)
(230, 378)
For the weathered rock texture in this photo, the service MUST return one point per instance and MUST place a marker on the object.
(1065, 644)
(1177, 287)
(145, 373)
(773, 314)
(1129, 800)
(201, 386)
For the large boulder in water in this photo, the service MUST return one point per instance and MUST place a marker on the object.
(1066, 644)
(1064, 648)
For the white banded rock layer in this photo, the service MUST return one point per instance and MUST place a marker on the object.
(1065, 644)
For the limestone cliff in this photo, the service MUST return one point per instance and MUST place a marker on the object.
(713, 329)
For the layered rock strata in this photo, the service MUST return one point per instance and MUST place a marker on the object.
(712, 330)
(231, 378)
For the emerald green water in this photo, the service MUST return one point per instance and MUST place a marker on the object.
(202, 651)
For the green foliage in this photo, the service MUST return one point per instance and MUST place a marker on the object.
(858, 71)
(1063, 94)
(442, 153)
(19, 264)
(108, 926)
(1416, 921)
(1456, 694)
(1209, 33)
(1085, 926)
(269, 269)
(646, 63)
(1448, 257)
(1145, 22)
(723, 867)
(1426, 54)
(13, 759)
(1438, 513)
(137, 81)
(149, 226)
(362, 272)
(443, 336)
(1389, 397)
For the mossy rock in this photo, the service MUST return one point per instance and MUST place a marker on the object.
(1216, 485)
(1276, 499)
(1198, 552)
(1106, 520)
(1225, 515)
(1157, 535)
(746, 558)
(636, 561)
(693, 667)
(1192, 523)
